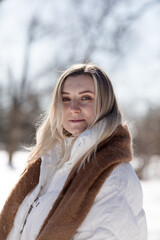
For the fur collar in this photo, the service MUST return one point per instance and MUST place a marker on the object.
(78, 193)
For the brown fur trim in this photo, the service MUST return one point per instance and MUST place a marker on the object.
(80, 190)
(28, 180)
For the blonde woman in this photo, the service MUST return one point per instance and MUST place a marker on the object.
(79, 183)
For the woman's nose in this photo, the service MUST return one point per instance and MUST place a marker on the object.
(75, 106)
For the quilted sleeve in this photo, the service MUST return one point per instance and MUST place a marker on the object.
(117, 212)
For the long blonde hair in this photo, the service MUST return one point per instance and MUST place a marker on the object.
(50, 129)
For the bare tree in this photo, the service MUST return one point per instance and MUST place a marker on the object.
(19, 116)
(147, 140)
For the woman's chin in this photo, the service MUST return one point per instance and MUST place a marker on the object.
(76, 132)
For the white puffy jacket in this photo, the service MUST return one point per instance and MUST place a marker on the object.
(117, 213)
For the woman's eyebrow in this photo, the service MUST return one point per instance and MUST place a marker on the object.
(65, 93)
(86, 91)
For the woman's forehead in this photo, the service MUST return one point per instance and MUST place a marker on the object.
(80, 83)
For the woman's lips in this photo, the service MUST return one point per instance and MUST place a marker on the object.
(77, 120)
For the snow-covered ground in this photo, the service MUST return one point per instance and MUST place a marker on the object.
(151, 191)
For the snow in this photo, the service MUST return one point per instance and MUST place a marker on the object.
(10, 175)
(151, 193)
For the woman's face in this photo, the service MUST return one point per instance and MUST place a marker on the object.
(78, 97)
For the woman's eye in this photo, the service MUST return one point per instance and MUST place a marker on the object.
(65, 99)
(86, 98)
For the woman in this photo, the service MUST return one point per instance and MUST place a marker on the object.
(79, 183)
